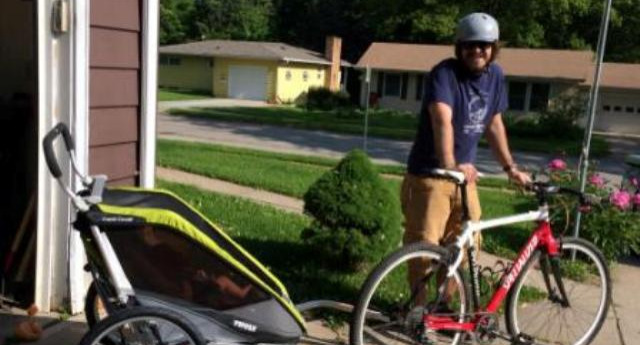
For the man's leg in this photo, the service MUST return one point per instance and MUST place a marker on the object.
(426, 204)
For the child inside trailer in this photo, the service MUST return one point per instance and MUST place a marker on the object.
(165, 262)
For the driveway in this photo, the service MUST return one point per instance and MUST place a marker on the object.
(211, 103)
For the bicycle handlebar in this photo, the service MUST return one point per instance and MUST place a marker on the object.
(542, 189)
(49, 154)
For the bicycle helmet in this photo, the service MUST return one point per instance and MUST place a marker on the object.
(477, 27)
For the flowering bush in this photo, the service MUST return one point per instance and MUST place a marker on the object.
(614, 224)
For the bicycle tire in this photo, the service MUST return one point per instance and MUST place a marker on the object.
(592, 282)
(383, 270)
(91, 312)
(141, 325)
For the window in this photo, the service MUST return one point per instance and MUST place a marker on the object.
(164, 60)
(392, 84)
(517, 95)
(617, 108)
(305, 76)
(287, 75)
(629, 109)
(606, 107)
(539, 97)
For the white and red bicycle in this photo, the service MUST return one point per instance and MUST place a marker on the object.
(557, 291)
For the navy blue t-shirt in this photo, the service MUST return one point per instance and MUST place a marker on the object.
(474, 100)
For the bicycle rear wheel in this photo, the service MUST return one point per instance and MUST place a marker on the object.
(387, 312)
(537, 308)
(143, 326)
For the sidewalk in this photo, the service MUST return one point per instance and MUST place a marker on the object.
(621, 326)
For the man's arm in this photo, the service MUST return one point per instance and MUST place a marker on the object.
(497, 137)
(441, 115)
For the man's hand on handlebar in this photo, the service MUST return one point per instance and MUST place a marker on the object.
(469, 171)
(520, 177)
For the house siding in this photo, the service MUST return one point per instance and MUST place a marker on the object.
(289, 90)
(221, 75)
(114, 90)
(193, 73)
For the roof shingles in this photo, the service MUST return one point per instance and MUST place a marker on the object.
(247, 49)
(537, 63)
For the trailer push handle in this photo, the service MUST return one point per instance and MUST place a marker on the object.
(49, 154)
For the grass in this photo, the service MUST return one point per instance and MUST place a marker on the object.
(288, 174)
(273, 237)
(382, 123)
(293, 174)
(165, 94)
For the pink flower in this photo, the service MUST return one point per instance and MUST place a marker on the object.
(636, 199)
(557, 164)
(596, 180)
(634, 181)
(621, 199)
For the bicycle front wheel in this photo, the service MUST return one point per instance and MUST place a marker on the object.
(388, 310)
(537, 308)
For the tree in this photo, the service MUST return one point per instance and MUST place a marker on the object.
(231, 19)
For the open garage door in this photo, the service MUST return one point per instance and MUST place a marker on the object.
(248, 82)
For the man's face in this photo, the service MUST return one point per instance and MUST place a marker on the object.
(476, 55)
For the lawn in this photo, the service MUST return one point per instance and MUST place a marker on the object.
(382, 123)
(293, 174)
(181, 94)
(273, 237)
(288, 174)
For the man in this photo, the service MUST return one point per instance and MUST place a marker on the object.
(464, 99)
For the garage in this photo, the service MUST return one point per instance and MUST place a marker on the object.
(248, 82)
(619, 112)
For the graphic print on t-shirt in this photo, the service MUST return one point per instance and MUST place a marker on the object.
(477, 113)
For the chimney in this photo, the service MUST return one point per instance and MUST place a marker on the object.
(333, 48)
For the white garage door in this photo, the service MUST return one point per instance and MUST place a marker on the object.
(248, 82)
(619, 113)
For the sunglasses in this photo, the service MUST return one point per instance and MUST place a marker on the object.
(472, 45)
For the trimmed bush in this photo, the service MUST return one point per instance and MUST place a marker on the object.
(356, 217)
(325, 99)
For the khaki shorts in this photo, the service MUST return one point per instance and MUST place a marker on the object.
(432, 209)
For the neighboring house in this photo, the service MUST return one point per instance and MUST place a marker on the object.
(90, 64)
(269, 71)
(535, 77)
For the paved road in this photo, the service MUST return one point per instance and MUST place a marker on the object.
(281, 139)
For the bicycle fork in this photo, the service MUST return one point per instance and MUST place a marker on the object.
(551, 266)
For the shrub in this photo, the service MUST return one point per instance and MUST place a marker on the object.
(561, 118)
(356, 217)
(612, 225)
(325, 99)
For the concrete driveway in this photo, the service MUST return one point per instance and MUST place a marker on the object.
(210, 103)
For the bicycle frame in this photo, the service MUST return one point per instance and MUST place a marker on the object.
(542, 238)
